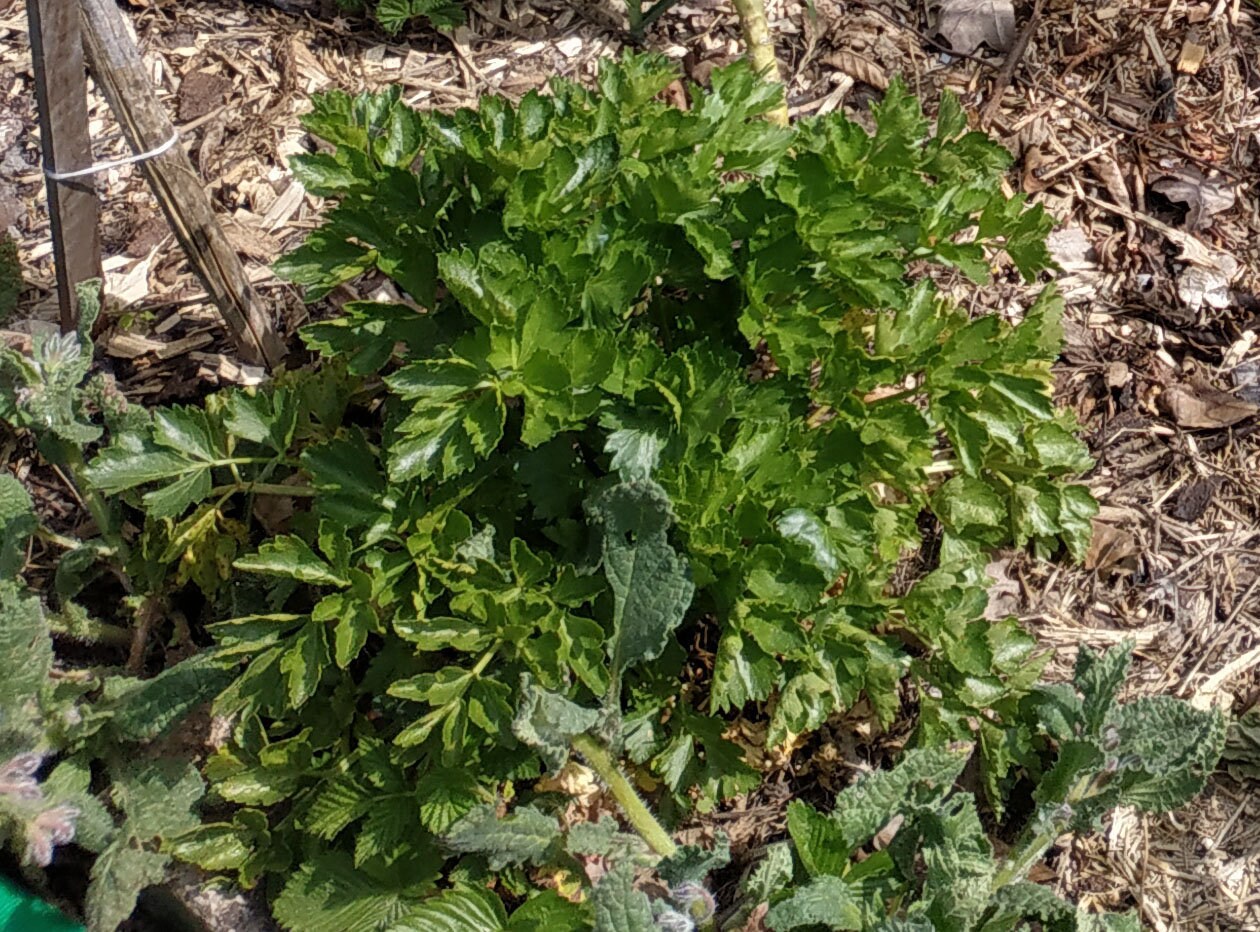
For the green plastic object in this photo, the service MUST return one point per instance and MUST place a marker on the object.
(22, 912)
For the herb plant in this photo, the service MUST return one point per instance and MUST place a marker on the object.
(57, 732)
(393, 15)
(646, 451)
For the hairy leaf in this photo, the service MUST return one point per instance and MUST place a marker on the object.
(619, 907)
(651, 584)
(548, 723)
(17, 524)
(826, 901)
(524, 837)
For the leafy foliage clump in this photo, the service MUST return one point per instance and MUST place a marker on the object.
(63, 738)
(931, 868)
(1154, 753)
(393, 15)
(664, 377)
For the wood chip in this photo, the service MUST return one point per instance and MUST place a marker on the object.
(1194, 498)
(130, 345)
(1191, 57)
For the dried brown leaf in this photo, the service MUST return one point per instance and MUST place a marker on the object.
(1071, 247)
(1203, 197)
(859, 68)
(1201, 407)
(1246, 378)
(1005, 594)
(968, 24)
(1108, 171)
(757, 918)
(1111, 547)
(200, 93)
(1198, 286)
(1034, 161)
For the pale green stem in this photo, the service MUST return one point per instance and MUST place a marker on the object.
(92, 631)
(91, 499)
(59, 540)
(1022, 860)
(266, 488)
(636, 813)
(485, 659)
(752, 21)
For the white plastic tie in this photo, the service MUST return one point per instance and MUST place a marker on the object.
(115, 163)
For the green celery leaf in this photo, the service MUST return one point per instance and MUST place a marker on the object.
(457, 414)
(742, 673)
(290, 556)
(323, 262)
(804, 703)
(635, 453)
(367, 334)
(268, 418)
(550, 912)
(185, 447)
(970, 506)
(354, 492)
(304, 663)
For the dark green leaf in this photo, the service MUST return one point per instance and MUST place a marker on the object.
(651, 584)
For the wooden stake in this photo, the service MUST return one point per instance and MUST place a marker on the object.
(119, 71)
(61, 93)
